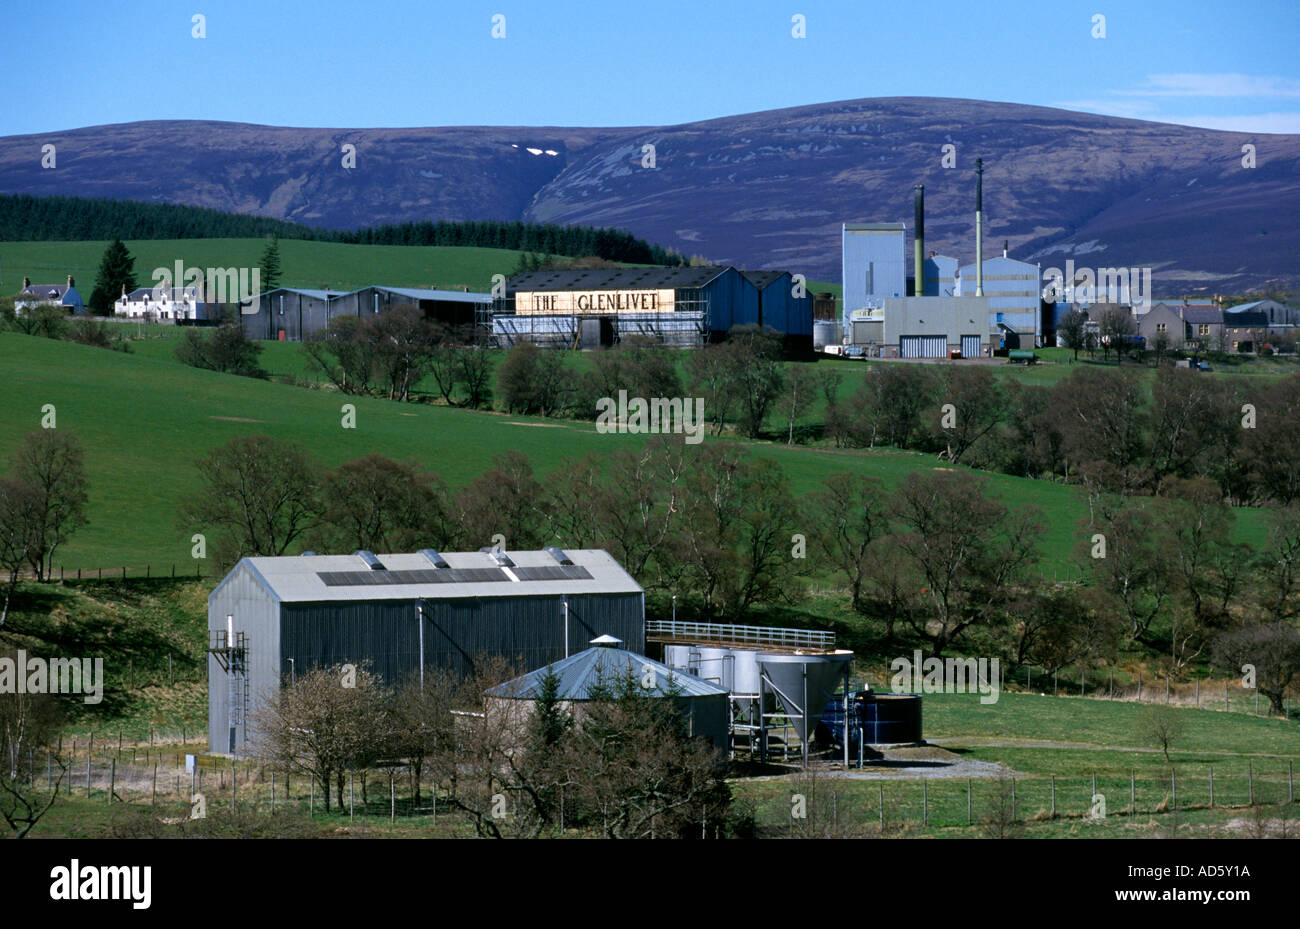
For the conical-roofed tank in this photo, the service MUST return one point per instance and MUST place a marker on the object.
(798, 681)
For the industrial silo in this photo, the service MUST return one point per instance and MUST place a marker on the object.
(800, 685)
(825, 332)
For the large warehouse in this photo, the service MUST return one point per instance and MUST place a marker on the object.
(289, 314)
(273, 618)
(590, 307)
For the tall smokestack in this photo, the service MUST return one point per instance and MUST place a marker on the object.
(979, 227)
(918, 201)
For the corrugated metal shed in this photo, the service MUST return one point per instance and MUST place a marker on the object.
(405, 612)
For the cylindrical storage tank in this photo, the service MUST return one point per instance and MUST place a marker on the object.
(824, 333)
(715, 665)
(891, 719)
(797, 681)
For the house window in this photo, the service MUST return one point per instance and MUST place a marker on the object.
(1161, 328)
(1203, 329)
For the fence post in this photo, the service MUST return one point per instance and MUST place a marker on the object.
(1013, 799)
(112, 778)
(154, 800)
(1054, 796)
(87, 776)
(1173, 788)
(1132, 794)
(968, 802)
(392, 799)
(1250, 777)
(925, 803)
(1166, 688)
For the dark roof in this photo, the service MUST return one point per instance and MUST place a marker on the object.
(142, 293)
(616, 278)
(1201, 314)
(763, 279)
(1244, 318)
(45, 290)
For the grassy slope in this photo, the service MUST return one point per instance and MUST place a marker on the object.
(146, 420)
(303, 264)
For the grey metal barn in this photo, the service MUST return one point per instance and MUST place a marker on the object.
(273, 618)
(290, 314)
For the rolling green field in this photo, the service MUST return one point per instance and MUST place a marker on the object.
(320, 265)
(145, 421)
(314, 265)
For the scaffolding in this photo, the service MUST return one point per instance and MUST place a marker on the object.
(231, 651)
(497, 325)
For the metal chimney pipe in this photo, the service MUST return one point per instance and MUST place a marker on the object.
(918, 202)
(979, 227)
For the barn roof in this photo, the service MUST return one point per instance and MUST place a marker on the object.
(437, 576)
(763, 279)
(606, 665)
(420, 293)
(616, 278)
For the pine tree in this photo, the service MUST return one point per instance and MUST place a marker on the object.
(270, 264)
(116, 271)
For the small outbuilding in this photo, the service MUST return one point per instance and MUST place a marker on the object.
(704, 706)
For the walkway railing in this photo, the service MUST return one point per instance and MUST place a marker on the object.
(726, 633)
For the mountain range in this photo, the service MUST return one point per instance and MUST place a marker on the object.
(760, 190)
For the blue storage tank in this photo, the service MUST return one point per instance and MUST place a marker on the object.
(881, 718)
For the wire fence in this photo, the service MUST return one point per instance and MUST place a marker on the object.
(172, 773)
(1228, 696)
(1006, 804)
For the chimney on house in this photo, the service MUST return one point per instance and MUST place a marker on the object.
(1006, 243)
(27, 282)
(70, 281)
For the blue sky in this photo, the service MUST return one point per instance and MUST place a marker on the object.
(368, 64)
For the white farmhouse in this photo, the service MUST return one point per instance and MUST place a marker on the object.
(161, 304)
(64, 295)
